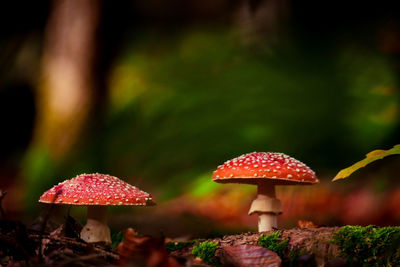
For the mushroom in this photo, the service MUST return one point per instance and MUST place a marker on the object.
(265, 169)
(96, 191)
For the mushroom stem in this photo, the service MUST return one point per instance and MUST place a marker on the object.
(267, 221)
(96, 229)
(266, 206)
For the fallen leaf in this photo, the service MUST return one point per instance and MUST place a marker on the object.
(138, 250)
(306, 224)
(249, 255)
(370, 157)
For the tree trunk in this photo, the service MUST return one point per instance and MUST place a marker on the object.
(67, 86)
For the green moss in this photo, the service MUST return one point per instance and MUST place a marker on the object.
(274, 242)
(206, 252)
(369, 246)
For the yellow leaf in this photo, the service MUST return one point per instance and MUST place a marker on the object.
(370, 157)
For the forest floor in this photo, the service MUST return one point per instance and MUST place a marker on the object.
(20, 246)
(42, 244)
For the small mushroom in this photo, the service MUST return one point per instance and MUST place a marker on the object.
(96, 191)
(265, 169)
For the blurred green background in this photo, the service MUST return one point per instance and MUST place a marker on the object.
(159, 94)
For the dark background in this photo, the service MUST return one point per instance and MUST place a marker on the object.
(159, 93)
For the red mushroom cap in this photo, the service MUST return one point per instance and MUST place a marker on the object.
(96, 189)
(257, 167)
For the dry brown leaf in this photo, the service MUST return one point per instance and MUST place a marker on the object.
(306, 224)
(138, 250)
(249, 256)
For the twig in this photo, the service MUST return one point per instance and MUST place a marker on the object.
(70, 241)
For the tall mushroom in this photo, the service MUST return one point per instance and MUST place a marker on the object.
(266, 170)
(96, 191)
